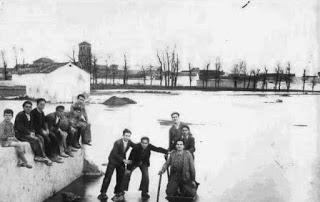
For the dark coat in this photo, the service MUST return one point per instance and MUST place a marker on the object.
(189, 144)
(38, 120)
(174, 135)
(188, 170)
(22, 126)
(136, 157)
(118, 154)
(51, 121)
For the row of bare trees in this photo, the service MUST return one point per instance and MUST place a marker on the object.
(4, 63)
(168, 71)
(169, 67)
(250, 79)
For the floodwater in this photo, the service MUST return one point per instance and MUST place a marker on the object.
(249, 148)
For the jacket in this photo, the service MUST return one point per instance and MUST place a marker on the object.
(136, 155)
(38, 120)
(22, 126)
(188, 170)
(174, 135)
(118, 154)
(189, 144)
(53, 124)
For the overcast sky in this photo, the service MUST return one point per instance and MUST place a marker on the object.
(263, 33)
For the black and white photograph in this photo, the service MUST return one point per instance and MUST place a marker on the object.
(159, 101)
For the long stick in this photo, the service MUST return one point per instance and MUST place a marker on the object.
(168, 174)
(159, 185)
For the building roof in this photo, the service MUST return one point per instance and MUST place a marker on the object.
(45, 69)
(85, 43)
(43, 60)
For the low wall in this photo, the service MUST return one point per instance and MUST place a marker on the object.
(36, 184)
(12, 90)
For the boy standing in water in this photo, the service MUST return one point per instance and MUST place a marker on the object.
(140, 157)
(175, 132)
(8, 139)
(117, 161)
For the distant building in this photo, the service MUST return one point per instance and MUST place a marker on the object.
(85, 56)
(8, 73)
(43, 61)
(210, 74)
(57, 82)
(194, 72)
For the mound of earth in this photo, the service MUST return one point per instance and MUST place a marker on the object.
(118, 101)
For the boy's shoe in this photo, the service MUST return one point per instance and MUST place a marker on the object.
(64, 155)
(87, 143)
(28, 166)
(39, 159)
(23, 164)
(118, 197)
(121, 198)
(77, 146)
(73, 149)
(56, 159)
(114, 197)
(69, 153)
(145, 195)
(102, 196)
(48, 162)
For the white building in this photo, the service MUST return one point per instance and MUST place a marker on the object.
(56, 82)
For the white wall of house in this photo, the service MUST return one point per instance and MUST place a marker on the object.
(225, 83)
(61, 85)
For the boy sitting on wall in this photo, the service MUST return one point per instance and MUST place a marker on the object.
(8, 139)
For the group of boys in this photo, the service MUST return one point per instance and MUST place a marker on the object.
(52, 137)
(140, 158)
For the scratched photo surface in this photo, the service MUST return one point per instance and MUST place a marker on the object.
(243, 74)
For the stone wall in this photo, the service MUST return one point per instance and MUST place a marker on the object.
(36, 184)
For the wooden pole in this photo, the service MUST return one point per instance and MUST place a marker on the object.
(159, 185)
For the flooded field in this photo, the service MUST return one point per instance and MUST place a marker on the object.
(249, 147)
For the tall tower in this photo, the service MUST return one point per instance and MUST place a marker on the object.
(85, 56)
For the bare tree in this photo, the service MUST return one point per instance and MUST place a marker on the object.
(313, 82)
(304, 78)
(4, 62)
(217, 73)
(114, 71)
(235, 75)
(206, 78)
(172, 69)
(264, 82)
(107, 69)
(160, 69)
(169, 67)
(94, 70)
(190, 75)
(176, 70)
(277, 70)
(165, 70)
(144, 75)
(252, 72)
(280, 79)
(22, 55)
(256, 78)
(151, 74)
(243, 71)
(125, 70)
(15, 56)
(288, 76)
